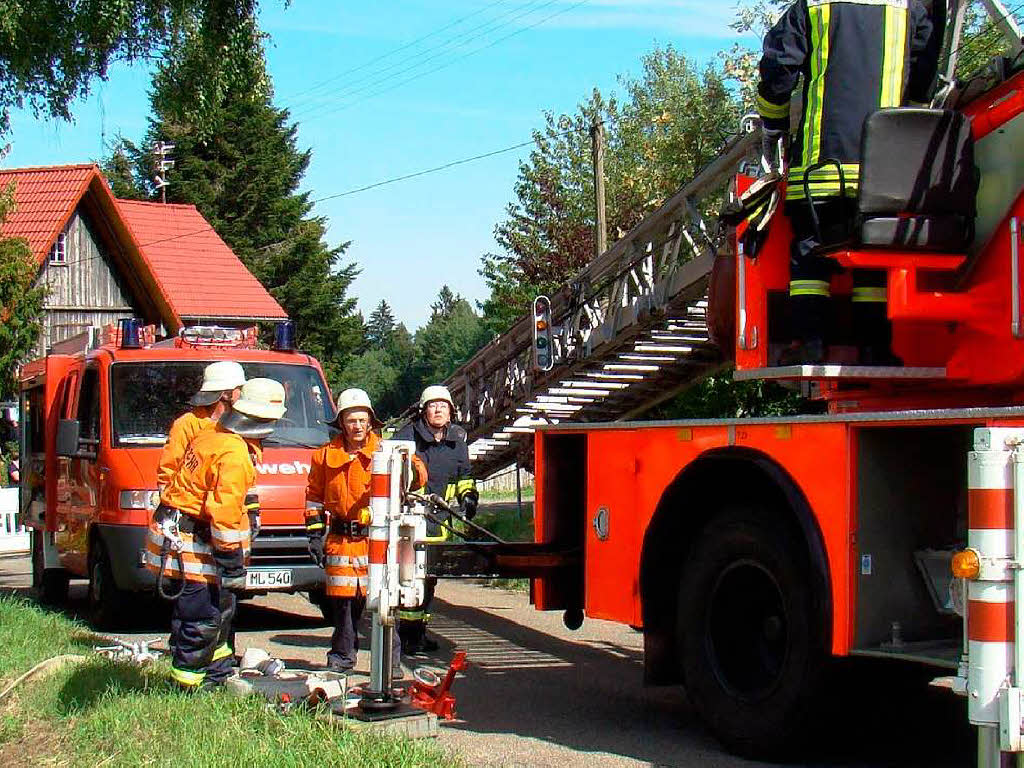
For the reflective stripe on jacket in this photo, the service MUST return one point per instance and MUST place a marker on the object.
(339, 484)
(856, 56)
(210, 487)
(182, 432)
(196, 558)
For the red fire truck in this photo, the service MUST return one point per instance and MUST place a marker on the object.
(95, 416)
(749, 551)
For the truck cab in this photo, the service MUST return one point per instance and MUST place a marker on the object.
(95, 422)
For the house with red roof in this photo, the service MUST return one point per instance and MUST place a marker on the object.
(104, 259)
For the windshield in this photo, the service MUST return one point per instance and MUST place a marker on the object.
(147, 397)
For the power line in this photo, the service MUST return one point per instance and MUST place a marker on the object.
(355, 88)
(452, 62)
(425, 172)
(460, 39)
(357, 190)
(383, 56)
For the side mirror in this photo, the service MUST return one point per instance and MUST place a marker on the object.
(67, 437)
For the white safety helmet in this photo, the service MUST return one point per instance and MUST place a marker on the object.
(218, 377)
(436, 392)
(255, 412)
(261, 399)
(354, 398)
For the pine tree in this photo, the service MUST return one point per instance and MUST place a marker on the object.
(237, 160)
(381, 326)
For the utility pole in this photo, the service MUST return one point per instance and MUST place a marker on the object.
(162, 164)
(597, 151)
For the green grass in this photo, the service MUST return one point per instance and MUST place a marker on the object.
(106, 713)
(506, 496)
(508, 525)
(29, 634)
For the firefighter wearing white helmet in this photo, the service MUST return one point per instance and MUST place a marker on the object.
(222, 384)
(338, 508)
(442, 447)
(207, 496)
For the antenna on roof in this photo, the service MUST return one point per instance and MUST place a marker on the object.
(162, 163)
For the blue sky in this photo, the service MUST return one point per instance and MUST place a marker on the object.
(497, 71)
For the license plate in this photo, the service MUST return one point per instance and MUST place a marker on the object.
(268, 579)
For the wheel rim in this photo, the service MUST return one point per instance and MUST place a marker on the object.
(747, 633)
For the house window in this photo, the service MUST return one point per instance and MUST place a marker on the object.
(59, 251)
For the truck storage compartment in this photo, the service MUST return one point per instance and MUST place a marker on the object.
(911, 508)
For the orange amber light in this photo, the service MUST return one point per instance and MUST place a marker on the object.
(966, 564)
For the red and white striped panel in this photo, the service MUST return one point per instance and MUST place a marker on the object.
(380, 504)
(990, 614)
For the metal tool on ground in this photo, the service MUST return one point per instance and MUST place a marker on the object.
(138, 653)
(433, 694)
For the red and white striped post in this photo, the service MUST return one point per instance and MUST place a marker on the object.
(380, 525)
(991, 627)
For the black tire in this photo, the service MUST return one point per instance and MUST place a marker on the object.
(50, 584)
(749, 636)
(107, 603)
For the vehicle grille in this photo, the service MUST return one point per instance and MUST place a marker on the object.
(281, 545)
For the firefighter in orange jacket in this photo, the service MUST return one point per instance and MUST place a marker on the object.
(222, 383)
(202, 519)
(338, 506)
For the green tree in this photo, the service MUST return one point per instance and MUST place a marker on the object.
(380, 326)
(672, 120)
(237, 160)
(451, 336)
(373, 371)
(21, 305)
(50, 53)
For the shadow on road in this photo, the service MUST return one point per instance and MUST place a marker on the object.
(590, 697)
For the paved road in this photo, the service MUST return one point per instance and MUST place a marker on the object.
(540, 695)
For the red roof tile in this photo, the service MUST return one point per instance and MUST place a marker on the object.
(196, 270)
(44, 200)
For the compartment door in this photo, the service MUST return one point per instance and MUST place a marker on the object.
(611, 536)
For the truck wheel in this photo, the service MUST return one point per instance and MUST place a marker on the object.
(106, 601)
(50, 584)
(750, 640)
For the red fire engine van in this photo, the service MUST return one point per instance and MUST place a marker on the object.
(94, 423)
(749, 551)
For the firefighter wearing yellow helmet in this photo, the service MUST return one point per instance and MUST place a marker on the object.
(443, 449)
(206, 497)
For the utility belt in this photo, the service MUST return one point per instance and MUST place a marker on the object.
(194, 527)
(199, 529)
(351, 528)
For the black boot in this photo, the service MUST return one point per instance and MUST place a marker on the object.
(873, 331)
(809, 316)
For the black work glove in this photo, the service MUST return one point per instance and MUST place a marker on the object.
(252, 509)
(316, 550)
(230, 567)
(469, 503)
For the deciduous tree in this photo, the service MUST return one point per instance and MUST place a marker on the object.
(21, 305)
(51, 53)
